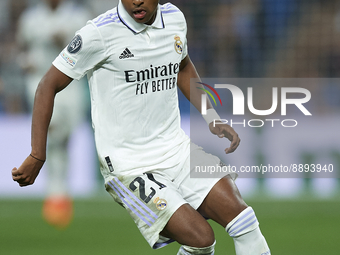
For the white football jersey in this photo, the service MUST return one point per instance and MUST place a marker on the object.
(132, 71)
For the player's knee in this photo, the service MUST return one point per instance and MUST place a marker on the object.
(198, 235)
(207, 241)
(203, 237)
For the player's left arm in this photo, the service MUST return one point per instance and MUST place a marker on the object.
(188, 71)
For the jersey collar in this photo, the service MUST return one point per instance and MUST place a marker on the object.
(135, 27)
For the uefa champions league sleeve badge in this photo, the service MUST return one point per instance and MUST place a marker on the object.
(75, 44)
(178, 44)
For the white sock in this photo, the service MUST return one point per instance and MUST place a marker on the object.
(245, 231)
(187, 250)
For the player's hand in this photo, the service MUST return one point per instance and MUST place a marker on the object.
(224, 130)
(27, 172)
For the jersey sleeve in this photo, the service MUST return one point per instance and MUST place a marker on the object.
(83, 53)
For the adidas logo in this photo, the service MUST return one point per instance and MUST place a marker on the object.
(126, 54)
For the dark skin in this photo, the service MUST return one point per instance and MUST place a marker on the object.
(53, 82)
(186, 226)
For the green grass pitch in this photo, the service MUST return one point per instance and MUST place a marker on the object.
(100, 226)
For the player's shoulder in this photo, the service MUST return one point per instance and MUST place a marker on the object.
(172, 13)
(99, 27)
(107, 18)
(169, 8)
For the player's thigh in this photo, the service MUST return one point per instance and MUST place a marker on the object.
(188, 227)
(223, 203)
(158, 209)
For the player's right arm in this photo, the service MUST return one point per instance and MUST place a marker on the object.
(90, 51)
(53, 82)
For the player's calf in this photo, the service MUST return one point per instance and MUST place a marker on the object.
(245, 231)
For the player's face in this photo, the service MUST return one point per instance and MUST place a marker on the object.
(142, 11)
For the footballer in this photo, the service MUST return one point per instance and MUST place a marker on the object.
(135, 56)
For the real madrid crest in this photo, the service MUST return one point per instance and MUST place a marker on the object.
(160, 203)
(178, 44)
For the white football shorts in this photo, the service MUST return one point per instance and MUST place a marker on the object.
(152, 198)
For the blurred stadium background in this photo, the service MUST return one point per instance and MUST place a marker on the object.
(227, 38)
